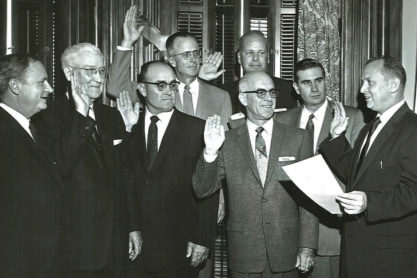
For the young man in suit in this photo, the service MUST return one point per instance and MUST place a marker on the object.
(99, 232)
(164, 149)
(193, 97)
(380, 205)
(309, 76)
(269, 233)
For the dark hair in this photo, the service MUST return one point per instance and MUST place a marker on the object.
(145, 68)
(171, 39)
(391, 66)
(252, 33)
(306, 64)
(13, 66)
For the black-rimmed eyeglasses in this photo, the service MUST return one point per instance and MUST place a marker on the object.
(163, 85)
(261, 93)
(187, 55)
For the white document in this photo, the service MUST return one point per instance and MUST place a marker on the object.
(316, 180)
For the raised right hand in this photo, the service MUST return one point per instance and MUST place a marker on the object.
(213, 135)
(131, 32)
(340, 121)
(208, 70)
(81, 100)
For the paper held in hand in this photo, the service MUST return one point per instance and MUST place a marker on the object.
(316, 180)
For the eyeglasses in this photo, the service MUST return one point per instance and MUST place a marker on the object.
(93, 71)
(187, 55)
(163, 85)
(261, 93)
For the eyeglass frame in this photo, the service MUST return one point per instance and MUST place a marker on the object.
(96, 70)
(262, 93)
(194, 52)
(163, 82)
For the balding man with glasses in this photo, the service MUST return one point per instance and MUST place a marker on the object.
(269, 234)
(98, 226)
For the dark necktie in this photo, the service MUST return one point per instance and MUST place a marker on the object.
(152, 148)
(310, 128)
(260, 142)
(33, 132)
(374, 125)
(188, 101)
(97, 143)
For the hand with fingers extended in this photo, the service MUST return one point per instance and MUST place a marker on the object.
(353, 202)
(305, 259)
(340, 121)
(130, 113)
(208, 70)
(135, 244)
(197, 253)
(213, 135)
(81, 100)
(131, 30)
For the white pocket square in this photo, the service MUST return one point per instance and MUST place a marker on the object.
(117, 142)
(286, 158)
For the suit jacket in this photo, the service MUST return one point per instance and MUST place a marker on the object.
(169, 213)
(98, 226)
(287, 98)
(330, 225)
(382, 241)
(31, 206)
(263, 222)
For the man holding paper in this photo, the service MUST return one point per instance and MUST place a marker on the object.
(380, 234)
(269, 233)
(315, 116)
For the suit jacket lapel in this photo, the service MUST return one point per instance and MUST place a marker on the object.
(246, 149)
(276, 143)
(325, 127)
(138, 142)
(378, 143)
(102, 123)
(202, 100)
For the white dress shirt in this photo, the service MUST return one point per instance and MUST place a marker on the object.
(162, 124)
(317, 120)
(22, 120)
(194, 89)
(266, 135)
(384, 117)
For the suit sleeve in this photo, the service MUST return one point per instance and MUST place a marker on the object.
(208, 176)
(119, 76)
(400, 199)
(226, 111)
(309, 225)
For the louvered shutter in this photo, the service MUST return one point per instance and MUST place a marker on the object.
(288, 40)
(191, 22)
(224, 37)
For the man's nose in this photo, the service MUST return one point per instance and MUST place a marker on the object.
(255, 56)
(314, 86)
(48, 88)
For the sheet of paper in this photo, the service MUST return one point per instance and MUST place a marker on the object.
(316, 180)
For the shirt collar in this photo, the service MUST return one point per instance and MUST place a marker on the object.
(319, 114)
(164, 117)
(91, 113)
(267, 126)
(22, 120)
(194, 86)
(387, 115)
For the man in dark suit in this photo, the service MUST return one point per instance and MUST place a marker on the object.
(380, 233)
(31, 197)
(253, 55)
(164, 148)
(99, 232)
(193, 97)
(309, 84)
(269, 233)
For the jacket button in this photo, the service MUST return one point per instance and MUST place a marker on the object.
(263, 199)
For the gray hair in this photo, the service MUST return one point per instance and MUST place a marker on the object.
(74, 50)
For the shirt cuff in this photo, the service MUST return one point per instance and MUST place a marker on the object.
(121, 48)
(209, 158)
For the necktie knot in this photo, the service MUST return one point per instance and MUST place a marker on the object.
(154, 119)
(311, 117)
(259, 130)
(374, 125)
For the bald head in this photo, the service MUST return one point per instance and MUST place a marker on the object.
(251, 80)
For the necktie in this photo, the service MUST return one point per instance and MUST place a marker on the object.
(260, 155)
(33, 132)
(188, 101)
(96, 136)
(310, 128)
(374, 125)
(152, 148)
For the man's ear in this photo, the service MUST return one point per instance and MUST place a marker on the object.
(172, 61)
(142, 89)
(243, 99)
(14, 86)
(395, 84)
(239, 58)
(67, 72)
(296, 88)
